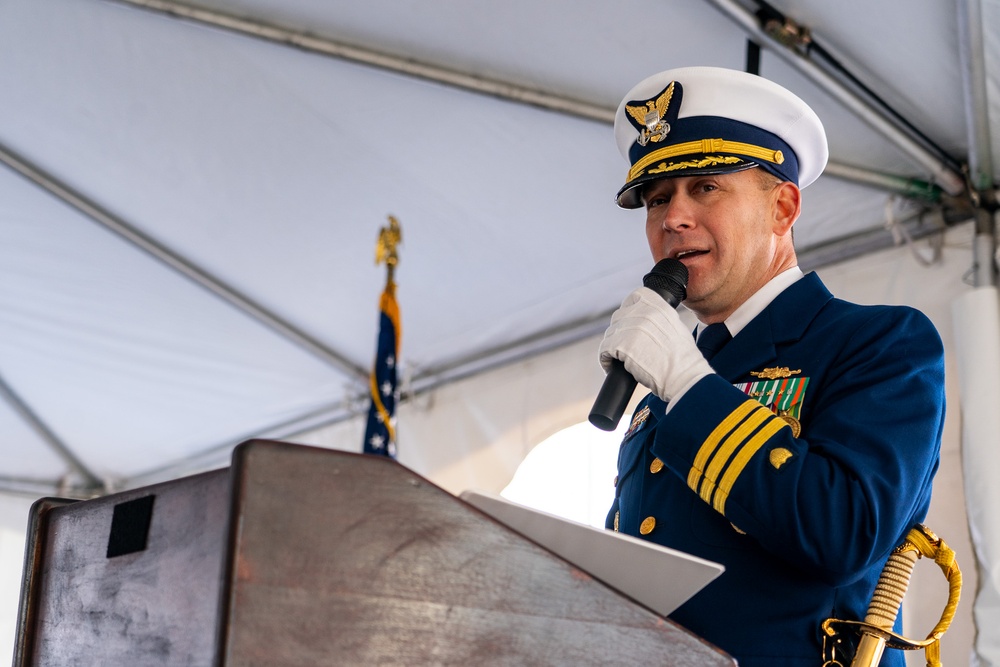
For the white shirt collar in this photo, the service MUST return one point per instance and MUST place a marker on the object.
(753, 306)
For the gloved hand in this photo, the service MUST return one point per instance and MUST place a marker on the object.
(647, 335)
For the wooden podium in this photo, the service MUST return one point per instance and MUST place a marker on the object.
(305, 556)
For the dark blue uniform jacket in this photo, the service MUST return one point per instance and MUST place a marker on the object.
(799, 466)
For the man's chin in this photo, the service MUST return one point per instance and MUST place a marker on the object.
(698, 301)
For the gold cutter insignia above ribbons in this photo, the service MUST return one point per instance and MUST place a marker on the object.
(776, 373)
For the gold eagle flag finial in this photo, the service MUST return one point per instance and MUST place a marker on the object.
(389, 238)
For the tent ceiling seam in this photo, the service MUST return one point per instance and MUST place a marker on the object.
(48, 435)
(178, 263)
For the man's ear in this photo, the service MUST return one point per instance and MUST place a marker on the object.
(786, 204)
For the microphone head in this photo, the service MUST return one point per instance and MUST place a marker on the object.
(668, 279)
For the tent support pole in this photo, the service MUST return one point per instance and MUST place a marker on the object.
(91, 480)
(952, 182)
(980, 173)
(912, 188)
(36, 488)
(972, 57)
(369, 57)
(976, 324)
(178, 263)
(984, 249)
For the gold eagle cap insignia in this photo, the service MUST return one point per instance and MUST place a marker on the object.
(650, 116)
(775, 373)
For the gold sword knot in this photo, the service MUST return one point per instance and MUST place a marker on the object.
(876, 630)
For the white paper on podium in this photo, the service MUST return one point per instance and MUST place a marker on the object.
(655, 576)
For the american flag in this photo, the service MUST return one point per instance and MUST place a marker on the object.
(380, 433)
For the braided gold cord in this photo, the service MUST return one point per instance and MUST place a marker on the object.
(876, 630)
(931, 546)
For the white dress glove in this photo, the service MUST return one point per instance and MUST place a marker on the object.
(647, 335)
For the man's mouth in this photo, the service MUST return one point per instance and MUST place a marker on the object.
(689, 253)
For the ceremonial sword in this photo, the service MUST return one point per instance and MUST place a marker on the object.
(876, 630)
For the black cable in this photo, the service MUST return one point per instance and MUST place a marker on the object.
(767, 13)
(753, 57)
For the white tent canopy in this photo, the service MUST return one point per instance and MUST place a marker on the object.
(190, 197)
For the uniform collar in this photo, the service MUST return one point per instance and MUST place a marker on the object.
(784, 320)
(760, 300)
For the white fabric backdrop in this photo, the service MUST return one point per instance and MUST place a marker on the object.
(977, 327)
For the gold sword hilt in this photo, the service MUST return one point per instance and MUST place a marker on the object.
(884, 606)
(876, 630)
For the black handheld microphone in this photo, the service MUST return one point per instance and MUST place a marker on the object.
(668, 279)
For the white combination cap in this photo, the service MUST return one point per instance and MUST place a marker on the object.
(710, 120)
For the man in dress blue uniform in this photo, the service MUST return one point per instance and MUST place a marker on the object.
(803, 452)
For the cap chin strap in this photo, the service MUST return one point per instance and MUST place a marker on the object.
(705, 147)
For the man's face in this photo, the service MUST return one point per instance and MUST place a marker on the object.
(727, 229)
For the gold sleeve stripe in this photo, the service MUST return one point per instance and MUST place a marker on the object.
(741, 460)
(721, 456)
(714, 438)
(706, 146)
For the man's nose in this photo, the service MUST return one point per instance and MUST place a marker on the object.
(677, 215)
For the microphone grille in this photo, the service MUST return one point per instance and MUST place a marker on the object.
(668, 275)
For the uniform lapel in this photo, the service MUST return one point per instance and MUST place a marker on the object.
(784, 321)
